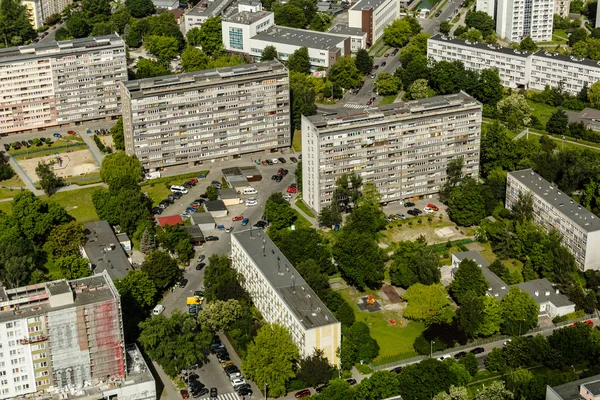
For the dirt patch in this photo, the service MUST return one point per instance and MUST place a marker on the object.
(475, 247)
(391, 294)
(74, 163)
(403, 231)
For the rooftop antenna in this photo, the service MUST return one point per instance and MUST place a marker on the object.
(293, 277)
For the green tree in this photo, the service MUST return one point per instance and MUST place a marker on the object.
(269, 53)
(481, 21)
(315, 369)
(290, 15)
(380, 385)
(495, 391)
(470, 363)
(174, 342)
(271, 358)
(468, 278)
(495, 361)
(15, 270)
(303, 244)
(522, 210)
(578, 35)
(419, 89)
(515, 111)
(78, 25)
(163, 47)
(62, 33)
(221, 281)
(210, 36)
(120, 170)
(149, 69)
(320, 22)
(118, 135)
(366, 347)
(344, 73)
(148, 243)
(470, 315)
(194, 37)
(445, 27)
(212, 193)
(329, 216)
(473, 35)
(161, 268)
(466, 203)
(360, 259)
(6, 171)
(65, 240)
(364, 61)
(278, 212)
(220, 314)
(73, 267)
(520, 312)
(425, 301)
(103, 28)
(15, 28)
(127, 206)
(121, 18)
(47, 178)
(138, 287)
(527, 44)
(454, 393)
(415, 262)
(558, 122)
(35, 218)
(366, 219)
(492, 317)
(387, 84)
(303, 98)
(299, 61)
(140, 8)
(338, 389)
(489, 87)
(398, 33)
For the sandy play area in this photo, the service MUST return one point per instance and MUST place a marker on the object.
(75, 163)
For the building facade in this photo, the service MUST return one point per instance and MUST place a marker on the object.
(283, 296)
(552, 209)
(38, 11)
(61, 336)
(518, 19)
(403, 148)
(195, 16)
(213, 114)
(358, 38)
(487, 6)
(513, 66)
(561, 7)
(372, 16)
(569, 71)
(60, 83)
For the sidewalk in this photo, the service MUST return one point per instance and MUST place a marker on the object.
(313, 221)
(28, 183)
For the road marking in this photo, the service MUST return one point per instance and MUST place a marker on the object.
(226, 396)
(354, 105)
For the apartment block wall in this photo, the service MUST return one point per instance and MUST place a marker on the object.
(570, 72)
(38, 11)
(517, 19)
(191, 118)
(405, 153)
(388, 12)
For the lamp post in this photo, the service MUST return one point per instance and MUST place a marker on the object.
(265, 390)
(431, 349)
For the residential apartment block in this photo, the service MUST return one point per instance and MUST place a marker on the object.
(518, 19)
(203, 10)
(372, 16)
(283, 296)
(513, 65)
(205, 115)
(65, 338)
(403, 148)
(59, 83)
(561, 7)
(249, 32)
(487, 6)
(518, 69)
(552, 209)
(38, 11)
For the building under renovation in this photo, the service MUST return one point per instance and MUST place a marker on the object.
(64, 339)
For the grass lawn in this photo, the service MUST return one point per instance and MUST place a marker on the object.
(14, 182)
(301, 222)
(389, 99)
(77, 203)
(300, 204)
(297, 140)
(6, 207)
(158, 189)
(541, 111)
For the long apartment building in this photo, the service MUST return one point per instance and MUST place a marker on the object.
(38, 11)
(59, 83)
(552, 209)
(372, 16)
(403, 148)
(283, 296)
(518, 69)
(60, 337)
(212, 114)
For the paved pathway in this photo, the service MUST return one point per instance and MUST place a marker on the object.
(312, 220)
(28, 183)
(89, 140)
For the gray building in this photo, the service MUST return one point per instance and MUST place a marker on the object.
(216, 208)
(204, 220)
(552, 209)
(222, 113)
(582, 389)
(403, 148)
(103, 249)
(195, 17)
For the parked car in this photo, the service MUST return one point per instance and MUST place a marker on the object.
(401, 216)
(177, 195)
(417, 211)
(445, 357)
(156, 211)
(183, 282)
(274, 177)
(278, 178)
(57, 135)
(200, 392)
(216, 347)
(460, 355)
(211, 238)
(383, 64)
(251, 202)
(396, 370)
(387, 54)
(236, 381)
(229, 230)
(199, 266)
(238, 218)
(437, 14)
(433, 207)
(244, 391)
(302, 393)
(184, 394)
(351, 381)
(281, 160)
(319, 389)
(394, 52)
(187, 185)
(269, 162)
(293, 159)
(428, 210)
(216, 184)
(71, 133)
(274, 161)
(176, 188)
(260, 224)
(285, 172)
(287, 196)
(477, 350)
(409, 204)
(412, 212)
(245, 221)
(213, 393)
(292, 189)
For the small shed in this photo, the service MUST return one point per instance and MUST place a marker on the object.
(229, 197)
(239, 183)
(203, 220)
(216, 208)
(197, 237)
(251, 173)
(169, 220)
(124, 241)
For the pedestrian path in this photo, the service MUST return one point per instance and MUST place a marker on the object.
(227, 396)
(354, 105)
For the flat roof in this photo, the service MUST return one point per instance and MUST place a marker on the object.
(198, 218)
(99, 243)
(60, 48)
(545, 55)
(367, 4)
(578, 214)
(247, 17)
(209, 8)
(545, 292)
(283, 277)
(299, 37)
(215, 205)
(229, 193)
(570, 391)
(342, 29)
(194, 231)
(587, 115)
(482, 46)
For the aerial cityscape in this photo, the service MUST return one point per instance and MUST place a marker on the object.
(280, 199)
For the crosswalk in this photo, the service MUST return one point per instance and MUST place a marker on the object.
(226, 396)
(354, 105)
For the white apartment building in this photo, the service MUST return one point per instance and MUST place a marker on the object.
(195, 17)
(60, 83)
(552, 209)
(206, 115)
(513, 65)
(517, 19)
(487, 6)
(372, 16)
(403, 148)
(249, 32)
(554, 69)
(561, 7)
(283, 296)
(38, 11)
(358, 38)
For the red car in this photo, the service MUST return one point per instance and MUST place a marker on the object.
(184, 394)
(387, 54)
(292, 189)
(72, 133)
(238, 218)
(433, 207)
(195, 180)
(303, 393)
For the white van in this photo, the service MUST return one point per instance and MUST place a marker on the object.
(181, 189)
(158, 309)
(250, 190)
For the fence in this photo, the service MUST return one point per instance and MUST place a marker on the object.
(479, 343)
(49, 150)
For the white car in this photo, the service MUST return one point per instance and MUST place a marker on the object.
(428, 210)
(228, 230)
(275, 161)
(179, 189)
(445, 357)
(251, 202)
(237, 381)
(287, 196)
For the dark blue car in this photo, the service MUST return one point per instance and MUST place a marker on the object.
(245, 221)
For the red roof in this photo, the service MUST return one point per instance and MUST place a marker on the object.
(177, 12)
(170, 220)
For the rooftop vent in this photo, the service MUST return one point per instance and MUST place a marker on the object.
(547, 293)
(537, 293)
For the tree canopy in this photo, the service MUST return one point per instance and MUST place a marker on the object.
(425, 301)
(360, 259)
(344, 73)
(161, 268)
(415, 262)
(520, 312)
(121, 170)
(468, 278)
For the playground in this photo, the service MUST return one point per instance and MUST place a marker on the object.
(65, 165)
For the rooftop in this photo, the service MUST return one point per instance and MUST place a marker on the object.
(496, 286)
(570, 391)
(104, 251)
(215, 205)
(247, 17)
(341, 29)
(569, 59)
(202, 218)
(541, 290)
(586, 115)
(562, 203)
(367, 4)
(482, 46)
(209, 8)
(52, 48)
(345, 116)
(194, 231)
(226, 194)
(169, 220)
(283, 277)
(299, 37)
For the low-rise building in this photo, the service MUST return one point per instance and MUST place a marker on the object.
(216, 208)
(403, 148)
(104, 250)
(196, 235)
(61, 83)
(283, 296)
(205, 9)
(166, 4)
(223, 113)
(582, 389)
(372, 16)
(590, 117)
(172, 220)
(205, 221)
(569, 71)
(358, 38)
(552, 209)
(229, 196)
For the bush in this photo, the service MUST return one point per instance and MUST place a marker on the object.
(568, 317)
(295, 384)
(99, 143)
(6, 172)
